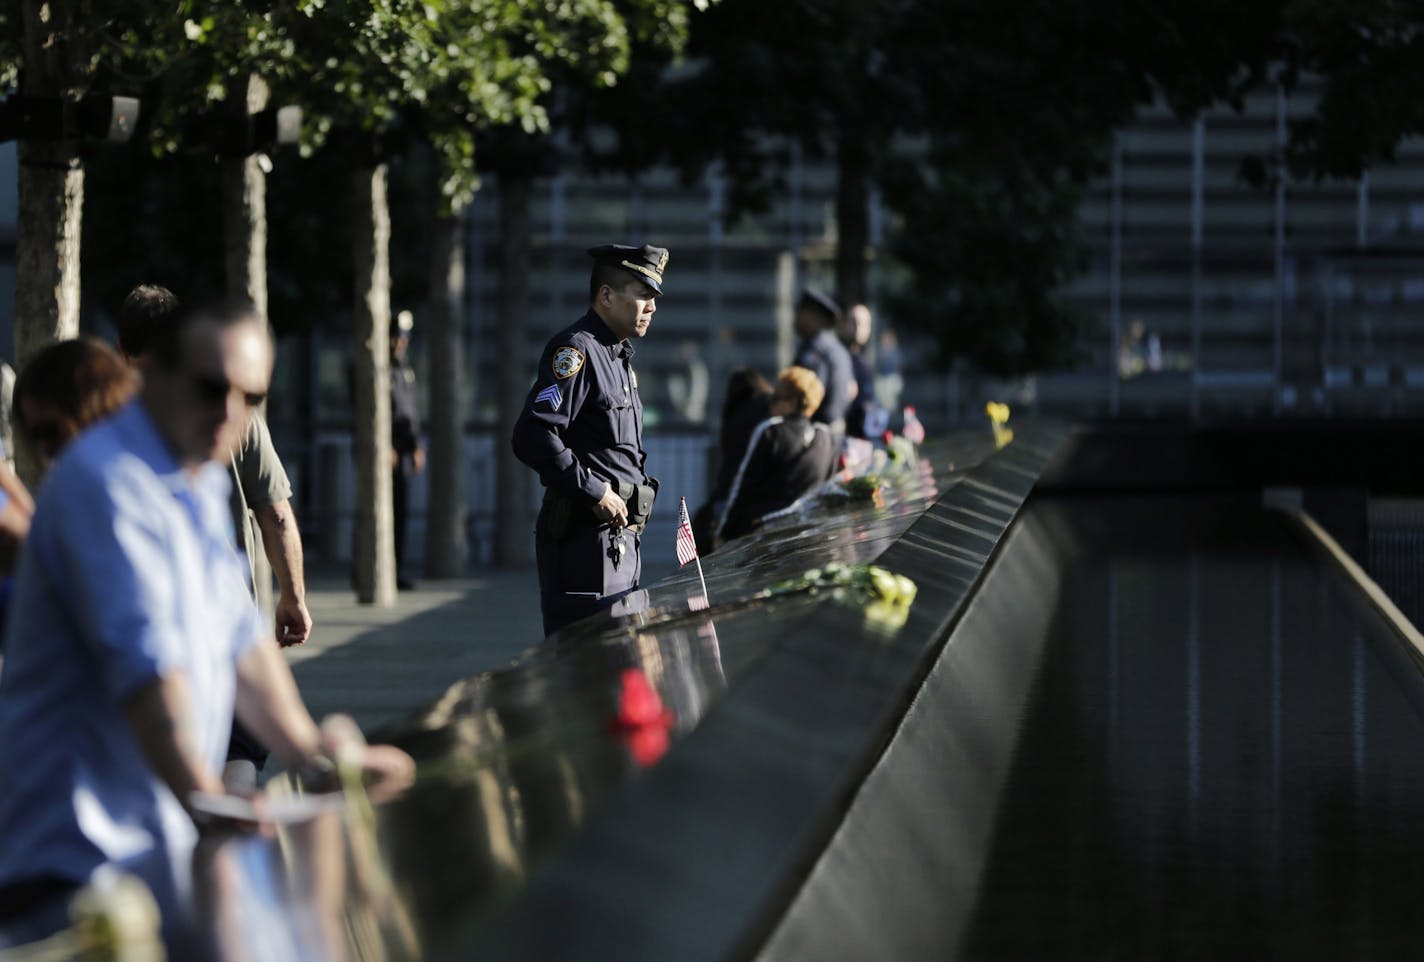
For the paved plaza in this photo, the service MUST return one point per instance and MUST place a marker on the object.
(380, 664)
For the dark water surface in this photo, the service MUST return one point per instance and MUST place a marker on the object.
(1220, 756)
(1164, 728)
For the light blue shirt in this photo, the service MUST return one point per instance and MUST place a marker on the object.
(129, 574)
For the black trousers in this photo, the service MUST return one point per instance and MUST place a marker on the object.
(242, 745)
(584, 571)
(400, 504)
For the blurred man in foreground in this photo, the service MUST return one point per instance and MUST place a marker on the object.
(132, 639)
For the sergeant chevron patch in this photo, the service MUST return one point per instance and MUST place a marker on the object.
(552, 395)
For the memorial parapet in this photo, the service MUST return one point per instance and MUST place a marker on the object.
(551, 791)
(652, 785)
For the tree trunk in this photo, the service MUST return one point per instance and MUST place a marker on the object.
(852, 218)
(243, 190)
(513, 536)
(244, 211)
(51, 205)
(445, 522)
(51, 201)
(375, 560)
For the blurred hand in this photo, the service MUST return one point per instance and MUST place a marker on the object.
(418, 460)
(219, 814)
(294, 622)
(386, 770)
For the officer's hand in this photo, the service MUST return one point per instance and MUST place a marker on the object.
(418, 460)
(612, 509)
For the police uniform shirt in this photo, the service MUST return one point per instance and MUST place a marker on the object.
(582, 424)
(405, 416)
(828, 358)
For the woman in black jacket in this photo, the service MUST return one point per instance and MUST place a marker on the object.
(787, 457)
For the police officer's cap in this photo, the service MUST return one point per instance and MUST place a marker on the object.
(818, 301)
(646, 262)
(402, 324)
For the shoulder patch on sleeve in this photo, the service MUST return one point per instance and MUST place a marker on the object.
(568, 361)
(550, 394)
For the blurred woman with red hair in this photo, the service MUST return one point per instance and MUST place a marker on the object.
(65, 388)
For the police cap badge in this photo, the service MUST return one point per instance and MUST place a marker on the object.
(647, 262)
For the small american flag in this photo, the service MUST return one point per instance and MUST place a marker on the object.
(686, 544)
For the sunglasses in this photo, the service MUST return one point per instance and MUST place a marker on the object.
(213, 389)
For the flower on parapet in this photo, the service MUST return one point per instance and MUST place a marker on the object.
(642, 721)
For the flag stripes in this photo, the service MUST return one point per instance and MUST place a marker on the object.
(686, 544)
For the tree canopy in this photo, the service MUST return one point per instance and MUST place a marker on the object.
(983, 124)
(980, 123)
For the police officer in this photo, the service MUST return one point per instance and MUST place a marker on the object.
(822, 353)
(407, 453)
(582, 430)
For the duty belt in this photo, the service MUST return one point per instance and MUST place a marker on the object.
(561, 513)
(639, 498)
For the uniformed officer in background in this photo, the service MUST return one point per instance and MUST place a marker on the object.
(407, 453)
(822, 353)
(582, 430)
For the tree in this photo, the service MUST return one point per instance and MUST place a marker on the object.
(970, 116)
(232, 52)
(1029, 100)
(361, 63)
(989, 243)
(446, 515)
(54, 60)
(823, 75)
(54, 63)
(520, 158)
(1370, 57)
(988, 209)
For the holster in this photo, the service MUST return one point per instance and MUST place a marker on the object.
(639, 498)
(561, 512)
